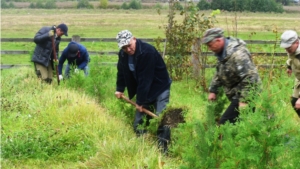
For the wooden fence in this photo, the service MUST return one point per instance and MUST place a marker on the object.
(19, 52)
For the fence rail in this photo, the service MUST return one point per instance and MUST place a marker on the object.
(267, 66)
(23, 52)
(114, 40)
(20, 52)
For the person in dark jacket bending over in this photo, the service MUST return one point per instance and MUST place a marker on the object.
(78, 59)
(142, 70)
(43, 52)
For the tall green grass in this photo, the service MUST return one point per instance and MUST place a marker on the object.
(51, 126)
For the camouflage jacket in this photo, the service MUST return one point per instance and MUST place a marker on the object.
(236, 73)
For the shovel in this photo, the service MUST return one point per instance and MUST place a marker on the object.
(134, 104)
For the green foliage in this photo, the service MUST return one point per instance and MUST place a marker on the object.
(124, 5)
(264, 139)
(84, 4)
(4, 5)
(135, 4)
(158, 6)
(40, 4)
(203, 5)
(103, 4)
(32, 5)
(183, 41)
(245, 5)
(50, 5)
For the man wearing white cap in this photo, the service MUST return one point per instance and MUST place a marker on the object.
(290, 42)
(143, 72)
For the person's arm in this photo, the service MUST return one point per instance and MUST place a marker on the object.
(85, 55)
(289, 67)
(120, 83)
(43, 35)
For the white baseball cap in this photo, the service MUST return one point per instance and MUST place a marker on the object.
(288, 38)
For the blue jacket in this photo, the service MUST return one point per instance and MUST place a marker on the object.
(151, 75)
(81, 60)
(43, 52)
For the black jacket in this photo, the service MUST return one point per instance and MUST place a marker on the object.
(152, 77)
(43, 49)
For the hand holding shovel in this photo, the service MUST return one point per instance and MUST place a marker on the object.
(134, 104)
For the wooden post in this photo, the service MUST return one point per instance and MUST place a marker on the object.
(76, 38)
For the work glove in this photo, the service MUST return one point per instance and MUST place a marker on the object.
(51, 33)
(76, 70)
(60, 77)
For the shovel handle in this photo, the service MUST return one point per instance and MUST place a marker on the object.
(134, 104)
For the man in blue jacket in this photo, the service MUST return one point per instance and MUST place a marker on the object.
(142, 70)
(78, 59)
(43, 55)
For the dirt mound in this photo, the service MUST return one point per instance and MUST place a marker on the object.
(172, 117)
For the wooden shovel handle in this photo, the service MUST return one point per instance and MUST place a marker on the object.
(134, 104)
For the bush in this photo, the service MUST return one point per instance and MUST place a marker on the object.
(203, 5)
(50, 5)
(124, 6)
(11, 5)
(84, 4)
(243, 5)
(4, 5)
(32, 5)
(39, 4)
(135, 4)
(103, 4)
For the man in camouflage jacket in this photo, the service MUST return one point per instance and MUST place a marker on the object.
(290, 42)
(236, 72)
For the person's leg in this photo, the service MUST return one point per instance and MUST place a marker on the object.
(50, 73)
(67, 71)
(139, 122)
(42, 72)
(231, 113)
(163, 132)
(293, 102)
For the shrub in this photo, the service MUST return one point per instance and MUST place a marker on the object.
(11, 5)
(84, 4)
(135, 4)
(50, 5)
(32, 5)
(157, 6)
(203, 5)
(103, 4)
(39, 4)
(124, 5)
(3, 5)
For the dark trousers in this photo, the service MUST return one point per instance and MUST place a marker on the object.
(163, 132)
(158, 106)
(293, 102)
(231, 113)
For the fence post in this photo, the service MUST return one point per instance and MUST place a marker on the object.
(76, 38)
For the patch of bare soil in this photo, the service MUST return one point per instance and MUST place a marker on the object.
(172, 117)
